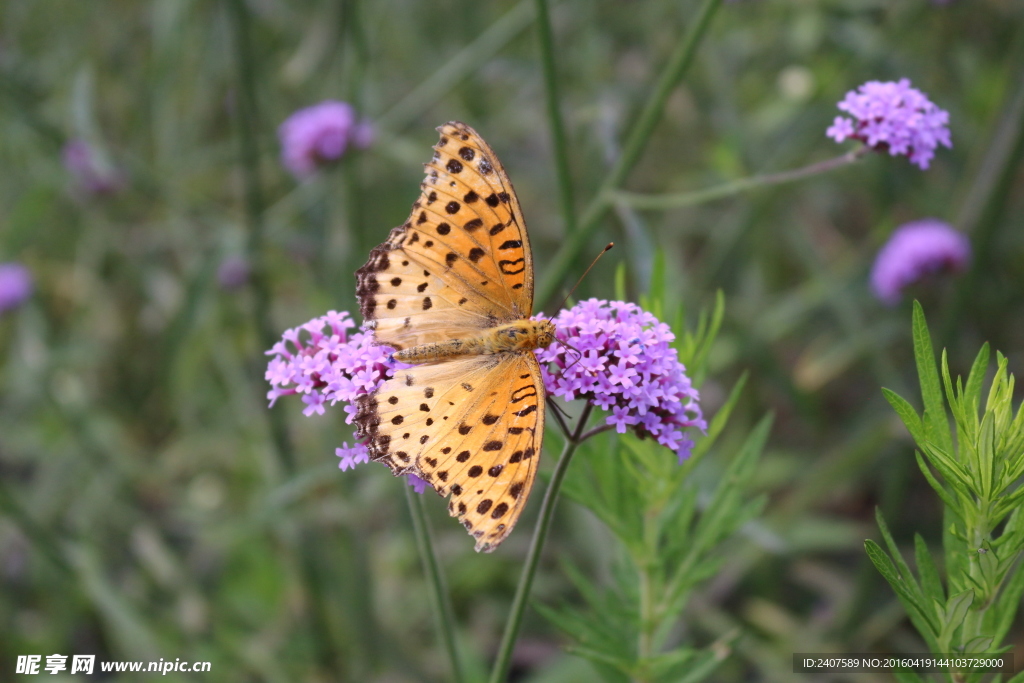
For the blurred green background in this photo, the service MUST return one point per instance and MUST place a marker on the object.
(153, 507)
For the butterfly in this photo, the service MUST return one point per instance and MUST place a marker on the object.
(451, 290)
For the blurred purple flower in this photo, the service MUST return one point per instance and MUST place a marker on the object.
(914, 251)
(15, 285)
(331, 366)
(93, 173)
(320, 134)
(233, 272)
(623, 362)
(893, 117)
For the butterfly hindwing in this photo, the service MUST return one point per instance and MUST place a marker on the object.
(471, 427)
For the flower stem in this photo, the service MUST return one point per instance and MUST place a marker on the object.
(681, 199)
(247, 120)
(992, 187)
(46, 543)
(633, 147)
(547, 508)
(547, 56)
(439, 595)
(466, 61)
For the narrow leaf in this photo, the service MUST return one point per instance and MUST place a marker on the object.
(936, 427)
(931, 584)
(907, 413)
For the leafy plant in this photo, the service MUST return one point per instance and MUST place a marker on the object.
(974, 465)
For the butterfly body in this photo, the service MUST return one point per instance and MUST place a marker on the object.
(519, 336)
(451, 290)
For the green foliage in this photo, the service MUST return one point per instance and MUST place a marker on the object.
(669, 531)
(979, 464)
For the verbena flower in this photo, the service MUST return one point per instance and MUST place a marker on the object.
(914, 251)
(622, 361)
(320, 135)
(15, 285)
(92, 171)
(233, 272)
(323, 363)
(892, 116)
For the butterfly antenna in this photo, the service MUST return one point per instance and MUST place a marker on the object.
(592, 264)
(579, 354)
(557, 408)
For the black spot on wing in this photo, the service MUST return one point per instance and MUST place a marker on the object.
(512, 267)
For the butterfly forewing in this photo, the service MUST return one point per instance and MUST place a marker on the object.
(462, 258)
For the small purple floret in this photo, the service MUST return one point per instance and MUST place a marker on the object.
(15, 285)
(628, 367)
(914, 251)
(892, 116)
(320, 135)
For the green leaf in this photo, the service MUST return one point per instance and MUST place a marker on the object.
(972, 394)
(904, 569)
(952, 471)
(620, 281)
(949, 500)
(922, 617)
(986, 465)
(978, 645)
(971, 397)
(657, 289)
(935, 424)
(704, 666)
(705, 341)
(716, 425)
(619, 663)
(907, 413)
(956, 609)
(931, 584)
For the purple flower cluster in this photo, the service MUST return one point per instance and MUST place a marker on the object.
(319, 135)
(331, 365)
(914, 251)
(619, 357)
(15, 285)
(93, 173)
(893, 116)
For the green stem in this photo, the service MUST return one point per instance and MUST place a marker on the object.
(42, 539)
(983, 210)
(247, 116)
(547, 55)
(634, 146)
(648, 604)
(465, 62)
(681, 199)
(439, 596)
(540, 533)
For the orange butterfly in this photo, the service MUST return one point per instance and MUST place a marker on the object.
(452, 291)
